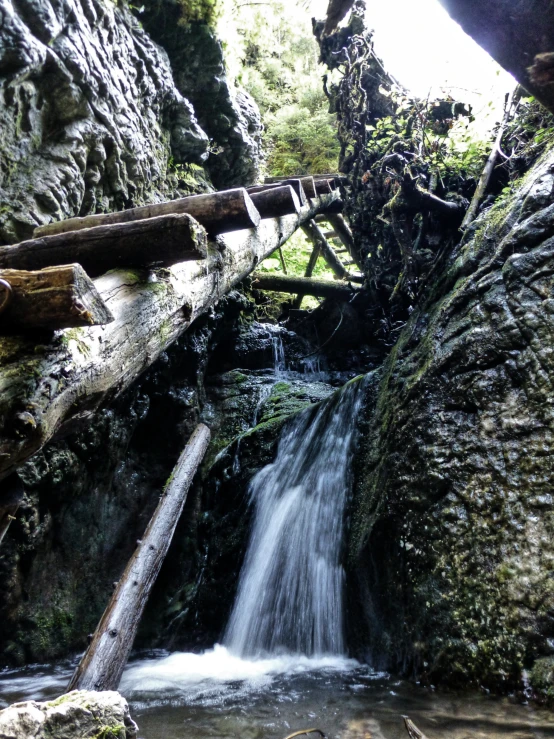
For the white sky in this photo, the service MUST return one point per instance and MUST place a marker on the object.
(423, 47)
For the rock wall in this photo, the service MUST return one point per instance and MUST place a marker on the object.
(451, 554)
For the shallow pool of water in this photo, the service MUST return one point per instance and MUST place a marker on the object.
(219, 696)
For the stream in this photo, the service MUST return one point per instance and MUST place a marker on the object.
(282, 665)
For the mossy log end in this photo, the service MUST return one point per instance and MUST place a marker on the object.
(51, 298)
(103, 662)
(218, 212)
(276, 201)
(45, 389)
(161, 241)
(305, 286)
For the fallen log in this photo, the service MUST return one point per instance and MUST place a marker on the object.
(11, 498)
(295, 184)
(160, 241)
(76, 372)
(304, 286)
(312, 230)
(411, 728)
(345, 235)
(51, 298)
(276, 201)
(102, 664)
(218, 212)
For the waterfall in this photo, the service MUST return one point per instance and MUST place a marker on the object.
(290, 595)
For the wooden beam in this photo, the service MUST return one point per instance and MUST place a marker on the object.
(218, 212)
(11, 497)
(322, 186)
(277, 201)
(312, 230)
(102, 664)
(51, 298)
(306, 181)
(304, 286)
(345, 235)
(295, 184)
(69, 377)
(161, 241)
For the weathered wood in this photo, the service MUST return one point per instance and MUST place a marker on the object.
(304, 286)
(345, 235)
(330, 235)
(11, 497)
(51, 298)
(218, 212)
(486, 174)
(322, 186)
(102, 664)
(83, 369)
(161, 241)
(312, 230)
(314, 256)
(307, 183)
(411, 728)
(295, 184)
(275, 202)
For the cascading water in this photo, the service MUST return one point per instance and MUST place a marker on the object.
(290, 596)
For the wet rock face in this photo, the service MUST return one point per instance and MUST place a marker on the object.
(228, 114)
(452, 545)
(81, 714)
(89, 497)
(89, 113)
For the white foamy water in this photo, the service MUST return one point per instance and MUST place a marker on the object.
(217, 674)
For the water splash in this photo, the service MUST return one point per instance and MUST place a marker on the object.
(290, 596)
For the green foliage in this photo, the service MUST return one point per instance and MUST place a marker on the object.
(273, 55)
(205, 11)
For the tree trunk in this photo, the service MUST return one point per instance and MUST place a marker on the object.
(102, 664)
(304, 286)
(519, 35)
(76, 372)
(218, 212)
(52, 298)
(275, 202)
(163, 241)
(11, 497)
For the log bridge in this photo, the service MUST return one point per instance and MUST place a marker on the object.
(89, 303)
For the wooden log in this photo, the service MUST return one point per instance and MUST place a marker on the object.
(314, 256)
(69, 377)
(102, 664)
(322, 187)
(307, 183)
(295, 184)
(11, 498)
(218, 212)
(330, 235)
(161, 241)
(411, 728)
(345, 235)
(275, 202)
(304, 286)
(312, 230)
(51, 298)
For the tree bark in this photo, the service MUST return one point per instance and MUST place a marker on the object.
(52, 298)
(276, 201)
(102, 664)
(163, 241)
(304, 286)
(516, 34)
(78, 371)
(218, 212)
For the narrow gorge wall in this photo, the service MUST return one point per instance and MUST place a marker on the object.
(451, 555)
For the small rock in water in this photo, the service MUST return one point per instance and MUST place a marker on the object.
(80, 714)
